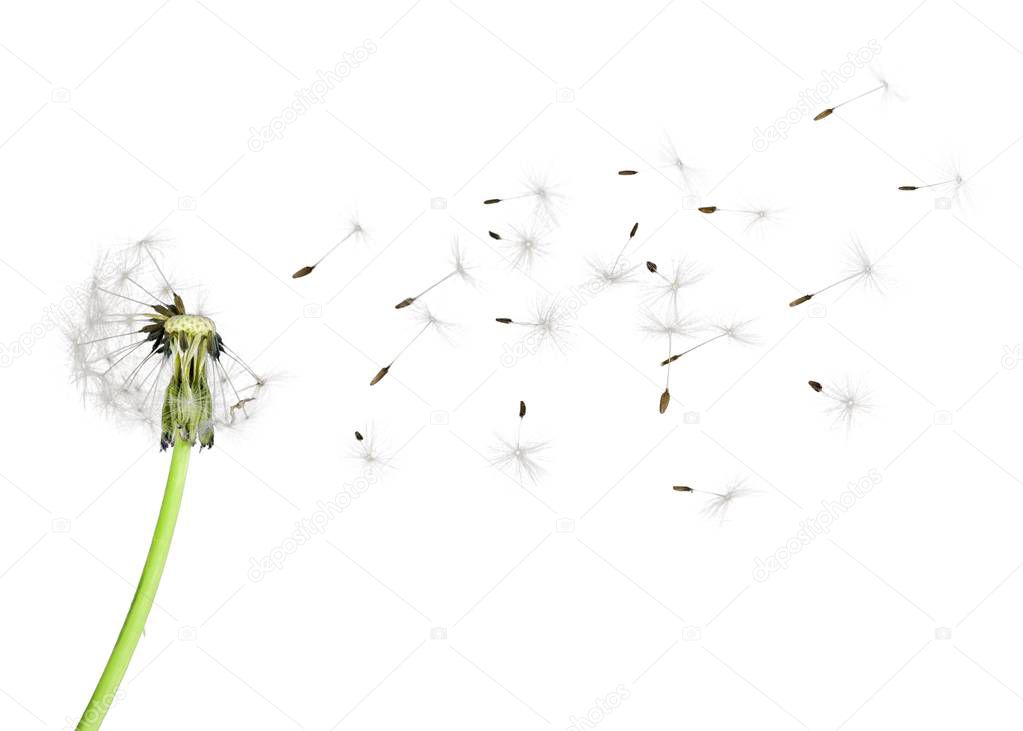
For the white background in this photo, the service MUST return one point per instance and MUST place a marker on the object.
(124, 119)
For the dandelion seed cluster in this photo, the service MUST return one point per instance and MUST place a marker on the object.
(138, 353)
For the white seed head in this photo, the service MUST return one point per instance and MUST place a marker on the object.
(739, 331)
(138, 355)
(865, 270)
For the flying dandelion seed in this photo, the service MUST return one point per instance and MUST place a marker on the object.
(847, 403)
(756, 217)
(428, 320)
(671, 165)
(545, 197)
(884, 87)
(667, 288)
(860, 269)
(738, 331)
(355, 230)
(370, 449)
(718, 503)
(146, 358)
(669, 326)
(138, 353)
(615, 273)
(953, 187)
(524, 246)
(460, 270)
(520, 455)
(548, 324)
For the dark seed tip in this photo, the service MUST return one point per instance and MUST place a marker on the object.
(707, 209)
(907, 187)
(494, 235)
(304, 271)
(358, 436)
(665, 400)
(815, 386)
(522, 409)
(800, 300)
(405, 303)
(491, 201)
(682, 488)
(504, 320)
(627, 172)
(635, 228)
(822, 115)
(380, 374)
(651, 267)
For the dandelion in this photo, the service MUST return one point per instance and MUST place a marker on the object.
(369, 450)
(547, 325)
(355, 230)
(143, 355)
(544, 196)
(860, 268)
(524, 246)
(670, 160)
(667, 287)
(523, 456)
(615, 274)
(737, 331)
(952, 186)
(719, 502)
(847, 402)
(428, 321)
(669, 327)
(460, 270)
(756, 217)
(884, 87)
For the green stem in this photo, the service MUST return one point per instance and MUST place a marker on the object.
(135, 622)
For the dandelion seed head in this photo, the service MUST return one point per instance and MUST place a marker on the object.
(138, 355)
(526, 245)
(372, 450)
(664, 287)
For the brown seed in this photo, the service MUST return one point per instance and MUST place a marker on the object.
(522, 409)
(907, 187)
(665, 399)
(815, 386)
(672, 359)
(707, 209)
(635, 228)
(179, 303)
(405, 303)
(822, 115)
(380, 374)
(490, 201)
(358, 436)
(504, 320)
(800, 300)
(651, 267)
(304, 271)
(166, 312)
(627, 172)
(682, 488)
(494, 235)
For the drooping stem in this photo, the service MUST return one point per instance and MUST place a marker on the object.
(145, 594)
